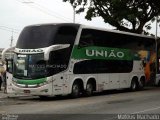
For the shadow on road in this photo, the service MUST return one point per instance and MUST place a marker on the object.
(58, 98)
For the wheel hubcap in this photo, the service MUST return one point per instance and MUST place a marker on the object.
(134, 85)
(75, 89)
(89, 88)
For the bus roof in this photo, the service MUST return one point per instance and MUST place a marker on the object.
(116, 31)
(60, 24)
(96, 28)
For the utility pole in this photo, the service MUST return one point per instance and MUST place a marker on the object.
(74, 12)
(156, 27)
(11, 39)
(11, 44)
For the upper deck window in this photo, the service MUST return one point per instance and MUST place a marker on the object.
(46, 35)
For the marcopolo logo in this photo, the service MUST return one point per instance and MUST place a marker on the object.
(106, 53)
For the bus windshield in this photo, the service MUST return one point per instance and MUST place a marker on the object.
(29, 66)
(33, 66)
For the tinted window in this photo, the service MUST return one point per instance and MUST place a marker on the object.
(116, 40)
(103, 66)
(58, 61)
(36, 37)
(66, 35)
(46, 35)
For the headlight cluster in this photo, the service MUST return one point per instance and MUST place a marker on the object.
(31, 86)
(45, 83)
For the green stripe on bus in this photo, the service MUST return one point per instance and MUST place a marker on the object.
(105, 53)
(31, 82)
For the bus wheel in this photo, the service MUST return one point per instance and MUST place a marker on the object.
(142, 84)
(89, 89)
(75, 90)
(133, 86)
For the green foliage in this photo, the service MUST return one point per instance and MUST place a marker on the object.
(125, 15)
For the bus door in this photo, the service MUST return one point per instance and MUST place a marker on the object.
(9, 75)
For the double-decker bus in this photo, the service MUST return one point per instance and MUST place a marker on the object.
(66, 58)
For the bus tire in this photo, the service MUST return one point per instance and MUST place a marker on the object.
(89, 89)
(134, 85)
(142, 83)
(76, 90)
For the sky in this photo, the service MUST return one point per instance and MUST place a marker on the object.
(16, 14)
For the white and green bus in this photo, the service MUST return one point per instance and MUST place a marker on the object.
(66, 58)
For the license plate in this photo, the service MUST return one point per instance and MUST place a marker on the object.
(27, 91)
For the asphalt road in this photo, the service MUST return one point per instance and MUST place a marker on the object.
(109, 105)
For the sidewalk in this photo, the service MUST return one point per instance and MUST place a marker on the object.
(2, 94)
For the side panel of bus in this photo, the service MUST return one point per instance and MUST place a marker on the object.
(114, 59)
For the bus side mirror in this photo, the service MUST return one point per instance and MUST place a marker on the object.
(9, 65)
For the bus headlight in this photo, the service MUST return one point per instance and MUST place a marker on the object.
(48, 81)
(45, 83)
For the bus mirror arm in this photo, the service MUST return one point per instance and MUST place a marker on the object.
(54, 48)
(4, 52)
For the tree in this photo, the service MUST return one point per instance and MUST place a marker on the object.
(126, 15)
